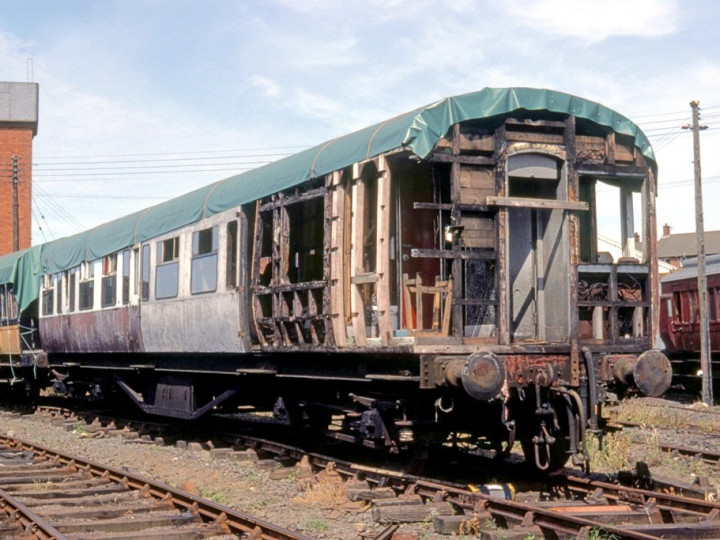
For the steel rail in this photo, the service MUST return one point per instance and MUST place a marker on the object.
(237, 522)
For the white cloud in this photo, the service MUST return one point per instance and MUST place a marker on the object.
(268, 87)
(593, 21)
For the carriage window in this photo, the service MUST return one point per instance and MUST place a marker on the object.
(71, 290)
(712, 305)
(204, 261)
(126, 277)
(87, 287)
(146, 272)
(48, 296)
(167, 269)
(677, 302)
(692, 298)
(11, 305)
(59, 278)
(231, 254)
(109, 280)
(8, 305)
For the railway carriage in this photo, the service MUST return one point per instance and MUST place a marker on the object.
(434, 275)
(680, 308)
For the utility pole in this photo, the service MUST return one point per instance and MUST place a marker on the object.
(15, 205)
(705, 352)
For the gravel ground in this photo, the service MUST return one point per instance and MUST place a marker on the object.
(290, 497)
(318, 506)
(663, 421)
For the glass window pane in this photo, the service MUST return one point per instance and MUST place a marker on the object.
(204, 274)
(146, 272)
(166, 280)
(108, 291)
(231, 254)
(87, 289)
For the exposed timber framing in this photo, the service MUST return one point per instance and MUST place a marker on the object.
(338, 260)
(382, 249)
(573, 191)
(357, 306)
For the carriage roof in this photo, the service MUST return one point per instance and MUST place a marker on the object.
(416, 131)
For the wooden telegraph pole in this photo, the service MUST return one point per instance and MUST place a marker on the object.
(705, 352)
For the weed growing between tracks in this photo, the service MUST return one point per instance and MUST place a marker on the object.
(615, 451)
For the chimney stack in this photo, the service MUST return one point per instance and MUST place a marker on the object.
(666, 230)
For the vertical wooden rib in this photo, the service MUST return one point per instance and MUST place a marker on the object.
(502, 314)
(337, 262)
(357, 307)
(456, 218)
(382, 246)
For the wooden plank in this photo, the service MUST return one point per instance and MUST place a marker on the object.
(9, 339)
(476, 142)
(337, 251)
(477, 177)
(618, 171)
(357, 307)
(500, 247)
(463, 159)
(472, 223)
(382, 249)
(450, 254)
(476, 208)
(541, 138)
(293, 199)
(523, 202)
(457, 264)
(329, 333)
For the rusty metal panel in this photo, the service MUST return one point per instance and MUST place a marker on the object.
(111, 330)
(9, 339)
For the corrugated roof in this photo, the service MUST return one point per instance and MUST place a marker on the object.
(684, 245)
(689, 269)
(417, 131)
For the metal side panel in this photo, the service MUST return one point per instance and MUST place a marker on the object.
(202, 323)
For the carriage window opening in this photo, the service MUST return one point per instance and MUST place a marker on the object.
(71, 290)
(126, 277)
(205, 241)
(306, 240)
(167, 269)
(168, 250)
(203, 271)
(59, 290)
(677, 302)
(712, 304)
(109, 281)
(146, 272)
(87, 287)
(13, 309)
(136, 279)
(48, 296)
(535, 176)
(231, 254)
(3, 315)
(692, 297)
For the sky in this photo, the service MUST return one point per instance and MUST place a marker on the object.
(144, 100)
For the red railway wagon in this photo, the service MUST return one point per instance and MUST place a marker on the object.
(680, 309)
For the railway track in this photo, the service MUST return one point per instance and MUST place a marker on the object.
(46, 494)
(568, 506)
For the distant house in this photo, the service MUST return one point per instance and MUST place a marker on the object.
(675, 248)
(614, 248)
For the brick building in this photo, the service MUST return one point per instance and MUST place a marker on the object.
(18, 126)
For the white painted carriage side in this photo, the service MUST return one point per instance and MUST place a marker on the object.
(204, 322)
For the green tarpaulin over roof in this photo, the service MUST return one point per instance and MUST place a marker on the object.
(418, 131)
